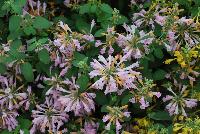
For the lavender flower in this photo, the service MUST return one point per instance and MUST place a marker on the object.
(9, 94)
(79, 103)
(113, 73)
(184, 31)
(178, 102)
(143, 94)
(48, 115)
(8, 119)
(110, 36)
(64, 46)
(90, 127)
(149, 18)
(29, 100)
(57, 85)
(134, 41)
(115, 116)
(34, 8)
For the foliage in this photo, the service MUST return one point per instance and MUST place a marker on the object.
(99, 66)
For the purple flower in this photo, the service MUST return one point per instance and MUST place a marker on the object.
(8, 119)
(179, 102)
(90, 127)
(10, 96)
(148, 18)
(29, 100)
(79, 103)
(48, 115)
(143, 103)
(57, 85)
(160, 19)
(115, 116)
(113, 74)
(143, 94)
(133, 39)
(107, 46)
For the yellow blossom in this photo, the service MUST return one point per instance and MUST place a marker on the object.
(168, 61)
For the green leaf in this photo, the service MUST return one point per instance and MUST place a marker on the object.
(16, 44)
(16, 55)
(104, 108)
(44, 56)
(27, 71)
(2, 68)
(41, 23)
(41, 67)
(158, 53)
(83, 81)
(24, 123)
(126, 99)
(93, 8)
(159, 74)
(160, 115)
(106, 8)
(6, 132)
(99, 33)
(15, 34)
(121, 20)
(101, 98)
(82, 25)
(84, 8)
(14, 23)
(29, 30)
(78, 56)
(17, 6)
(33, 44)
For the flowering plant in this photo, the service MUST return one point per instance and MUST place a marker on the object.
(99, 66)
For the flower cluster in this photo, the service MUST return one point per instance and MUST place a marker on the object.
(143, 93)
(188, 126)
(93, 66)
(115, 116)
(48, 115)
(113, 73)
(179, 101)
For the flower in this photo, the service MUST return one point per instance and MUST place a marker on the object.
(10, 96)
(57, 85)
(187, 58)
(135, 42)
(143, 94)
(65, 44)
(48, 115)
(34, 8)
(160, 19)
(90, 127)
(178, 102)
(8, 119)
(115, 116)
(148, 18)
(113, 74)
(110, 36)
(188, 126)
(79, 103)
(29, 100)
(182, 31)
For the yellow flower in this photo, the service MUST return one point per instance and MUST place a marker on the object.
(194, 53)
(183, 64)
(168, 61)
(177, 127)
(177, 54)
(143, 122)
